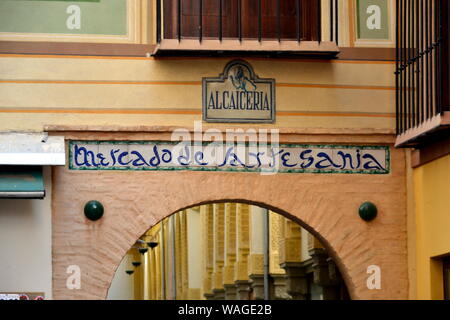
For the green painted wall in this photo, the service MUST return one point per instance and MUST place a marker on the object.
(367, 26)
(107, 17)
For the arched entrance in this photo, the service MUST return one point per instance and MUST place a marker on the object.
(325, 204)
(227, 251)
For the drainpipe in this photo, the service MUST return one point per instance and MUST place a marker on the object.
(174, 265)
(266, 254)
(163, 261)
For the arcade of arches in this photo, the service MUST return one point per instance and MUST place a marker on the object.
(227, 251)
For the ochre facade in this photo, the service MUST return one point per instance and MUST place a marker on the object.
(431, 185)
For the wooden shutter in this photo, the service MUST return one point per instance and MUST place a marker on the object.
(271, 28)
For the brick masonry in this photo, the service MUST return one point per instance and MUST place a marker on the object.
(325, 204)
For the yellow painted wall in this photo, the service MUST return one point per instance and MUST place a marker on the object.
(39, 91)
(72, 90)
(432, 191)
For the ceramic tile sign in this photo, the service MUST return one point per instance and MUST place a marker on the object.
(87, 17)
(283, 158)
(372, 19)
(238, 95)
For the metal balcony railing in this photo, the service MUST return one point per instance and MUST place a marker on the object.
(422, 77)
(248, 25)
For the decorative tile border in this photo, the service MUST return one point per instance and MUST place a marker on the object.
(284, 158)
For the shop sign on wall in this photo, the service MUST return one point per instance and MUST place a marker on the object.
(284, 158)
(238, 95)
(372, 19)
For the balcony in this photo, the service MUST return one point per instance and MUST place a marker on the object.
(422, 72)
(196, 27)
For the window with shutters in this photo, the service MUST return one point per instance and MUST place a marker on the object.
(246, 25)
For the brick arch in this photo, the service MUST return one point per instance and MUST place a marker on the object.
(135, 201)
(324, 242)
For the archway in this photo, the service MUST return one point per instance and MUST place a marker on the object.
(227, 251)
(325, 204)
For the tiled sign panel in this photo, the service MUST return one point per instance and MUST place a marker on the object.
(96, 17)
(238, 95)
(283, 158)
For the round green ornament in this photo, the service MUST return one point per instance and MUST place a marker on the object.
(93, 210)
(368, 211)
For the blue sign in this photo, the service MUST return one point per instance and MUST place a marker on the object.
(283, 158)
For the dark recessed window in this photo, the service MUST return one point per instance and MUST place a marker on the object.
(446, 262)
(246, 19)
